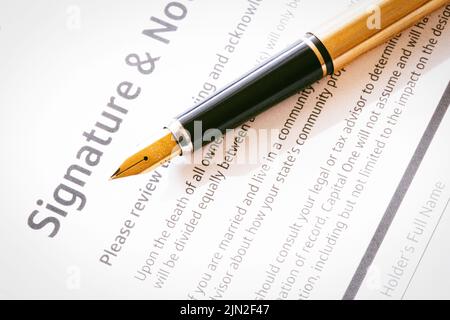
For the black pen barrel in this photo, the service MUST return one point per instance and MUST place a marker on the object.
(276, 79)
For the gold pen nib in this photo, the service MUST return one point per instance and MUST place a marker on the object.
(149, 158)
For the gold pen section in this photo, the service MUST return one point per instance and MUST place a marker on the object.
(149, 158)
(358, 31)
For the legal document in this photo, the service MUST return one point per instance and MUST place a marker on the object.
(339, 192)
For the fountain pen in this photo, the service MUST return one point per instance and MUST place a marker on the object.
(315, 55)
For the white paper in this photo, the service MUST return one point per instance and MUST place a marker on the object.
(62, 62)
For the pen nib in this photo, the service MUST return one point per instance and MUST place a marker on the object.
(149, 158)
(129, 165)
(114, 175)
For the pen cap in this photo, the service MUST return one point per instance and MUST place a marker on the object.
(368, 24)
